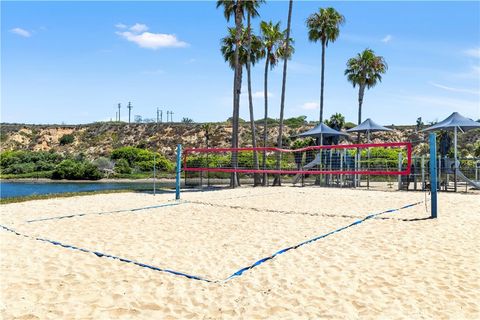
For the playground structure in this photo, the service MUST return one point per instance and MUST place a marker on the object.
(336, 163)
(466, 176)
(370, 165)
(327, 165)
(389, 166)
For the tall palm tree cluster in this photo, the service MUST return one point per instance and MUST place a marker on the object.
(242, 48)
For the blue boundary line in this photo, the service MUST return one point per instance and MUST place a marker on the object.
(235, 274)
(104, 255)
(107, 212)
(259, 262)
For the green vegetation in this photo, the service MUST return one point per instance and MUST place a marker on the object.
(122, 167)
(477, 149)
(349, 125)
(324, 26)
(245, 159)
(66, 139)
(365, 71)
(28, 162)
(124, 162)
(336, 121)
(187, 120)
(76, 170)
(295, 122)
(141, 160)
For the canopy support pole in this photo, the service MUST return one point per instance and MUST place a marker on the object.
(433, 175)
(455, 159)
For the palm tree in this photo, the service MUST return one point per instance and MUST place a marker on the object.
(274, 48)
(324, 26)
(365, 71)
(249, 44)
(228, 47)
(337, 121)
(235, 8)
(251, 7)
(278, 180)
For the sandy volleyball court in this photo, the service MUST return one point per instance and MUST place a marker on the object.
(400, 265)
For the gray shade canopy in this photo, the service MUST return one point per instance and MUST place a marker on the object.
(455, 120)
(322, 130)
(368, 126)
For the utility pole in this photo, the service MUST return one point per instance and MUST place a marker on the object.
(119, 105)
(129, 110)
(158, 111)
(171, 116)
(116, 115)
(161, 116)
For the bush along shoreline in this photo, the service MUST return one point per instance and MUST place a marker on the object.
(124, 163)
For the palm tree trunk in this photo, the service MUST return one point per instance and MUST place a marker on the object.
(237, 115)
(236, 91)
(250, 104)
(361, 92)
(265, 84)
(322, 81)
(278, 179)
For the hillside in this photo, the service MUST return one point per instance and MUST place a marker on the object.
(99, 139)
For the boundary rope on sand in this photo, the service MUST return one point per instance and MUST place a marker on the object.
(235, 274)
(106, 212)
(130, 210)
(101, 255)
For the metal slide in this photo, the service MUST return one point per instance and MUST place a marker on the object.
(461, 176)
(310, 165)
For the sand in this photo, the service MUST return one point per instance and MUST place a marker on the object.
(399, 266)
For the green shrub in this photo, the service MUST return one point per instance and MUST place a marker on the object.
(90, 172)
(129, 154)
(349, 125)
(295, 122)
(476, 149)
(15, 162)
(122, 167)
(67, 169)
(66, 139)
(44, 166)
(73, 170)
(142, 159)
(19, 168)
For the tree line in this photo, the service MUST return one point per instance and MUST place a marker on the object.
(124, 162)
(242, 48)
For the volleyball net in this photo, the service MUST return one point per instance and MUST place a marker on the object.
(354, 159)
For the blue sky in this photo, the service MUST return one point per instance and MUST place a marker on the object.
(72, 62)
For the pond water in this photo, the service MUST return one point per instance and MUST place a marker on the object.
(21, 189)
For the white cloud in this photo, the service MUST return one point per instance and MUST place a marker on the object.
(151, 40)
(21, 32)
(310, 106)
(387, 38)
(121, 26)
(138, 28)
(259, 94)
(475, 52)
(461, 90)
